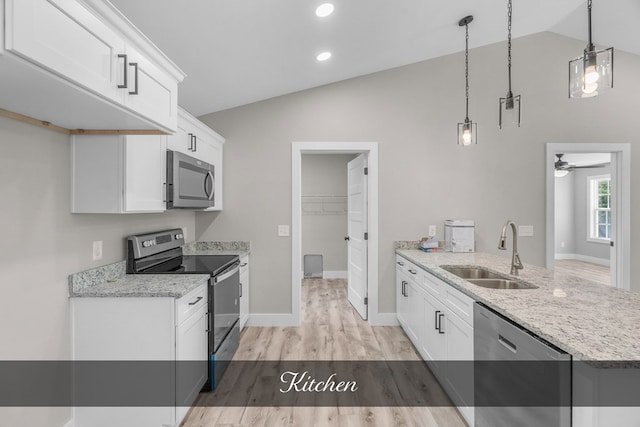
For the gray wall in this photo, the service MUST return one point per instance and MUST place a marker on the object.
(425, 177)
(584, 247)
(571, 218)
(42, 243)
(565, 223)
(324, 233)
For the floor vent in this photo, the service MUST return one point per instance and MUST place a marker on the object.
(312, 266)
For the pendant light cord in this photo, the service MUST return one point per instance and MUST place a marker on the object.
(466, 69)
(509, 14)
(590, 47)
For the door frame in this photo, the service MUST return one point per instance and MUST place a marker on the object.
(622, 238)
(297, 150)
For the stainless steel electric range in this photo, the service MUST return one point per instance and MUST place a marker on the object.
(161, 252)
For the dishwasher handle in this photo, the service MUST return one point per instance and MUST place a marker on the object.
(508, 344)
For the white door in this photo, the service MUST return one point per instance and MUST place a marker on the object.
(357, 229)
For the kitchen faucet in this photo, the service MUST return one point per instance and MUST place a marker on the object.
(516, 264)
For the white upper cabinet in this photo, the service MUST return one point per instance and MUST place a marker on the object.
(118, 174)
(197, 140)
(82, 65)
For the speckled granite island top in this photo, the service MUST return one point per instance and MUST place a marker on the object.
(592, 322)
(110, 281)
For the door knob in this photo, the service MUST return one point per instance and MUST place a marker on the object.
(346, 238)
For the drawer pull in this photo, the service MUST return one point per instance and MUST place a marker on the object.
(196, 301)
(400, 263)
(244, 265)
(508, 344)
(413, 272)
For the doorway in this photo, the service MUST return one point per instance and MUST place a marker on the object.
(370, 151)
(588, 210)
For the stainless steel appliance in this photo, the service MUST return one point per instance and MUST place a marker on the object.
(520, 379)
(190, 182)
(161, 252)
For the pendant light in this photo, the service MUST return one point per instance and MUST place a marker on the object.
(592, 73)
(510, 106)
(467, 131)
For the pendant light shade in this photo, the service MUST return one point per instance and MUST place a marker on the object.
(467, 130)
(592, 73)
(509, 106)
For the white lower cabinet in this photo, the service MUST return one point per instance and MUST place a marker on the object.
(137, 330)
(439, 321)
(244, 290)
(118, 174)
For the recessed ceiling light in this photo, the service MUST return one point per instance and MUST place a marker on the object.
(324, 10)
(323, 56)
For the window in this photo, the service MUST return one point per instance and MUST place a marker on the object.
(600, 207)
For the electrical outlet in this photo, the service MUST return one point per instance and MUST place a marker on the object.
(432, 230)
(283, 231)
(525, 231)
(97, 250)
(184, 233)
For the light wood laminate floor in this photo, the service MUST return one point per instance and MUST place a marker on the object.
(330, 330)
(586, 270)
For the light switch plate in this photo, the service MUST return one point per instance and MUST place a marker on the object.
(283, 231)
(97, 250)
(525, 231)
(432, 230)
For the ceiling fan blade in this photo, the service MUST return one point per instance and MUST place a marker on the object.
(594, 166)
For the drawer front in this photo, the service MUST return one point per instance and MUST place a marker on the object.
(459, 303)
(191, 303)
(433, 285)
(410, 269)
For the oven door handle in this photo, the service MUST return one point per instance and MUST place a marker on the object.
(226, 275)
(208, 177)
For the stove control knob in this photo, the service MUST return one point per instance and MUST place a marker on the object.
(178, 236)
(148, 243)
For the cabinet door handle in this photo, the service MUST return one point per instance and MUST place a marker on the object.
(190, 148)
(240, 289)
(135, 78)
(440, 316)
(124, 85)
(404, 289)
(164, 192)
(436, 326)
(196, 301)
(413, 272)
(195, 142)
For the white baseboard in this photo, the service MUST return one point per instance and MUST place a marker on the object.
(384, 319)
(335, 274)
(585, 258)
(267, 319)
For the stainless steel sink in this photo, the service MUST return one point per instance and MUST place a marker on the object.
(501, 284)
(466, 272)
(485, 278)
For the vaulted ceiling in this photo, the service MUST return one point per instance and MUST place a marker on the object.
(235, 52)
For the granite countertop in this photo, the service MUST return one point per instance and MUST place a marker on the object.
(112, 281)
(590, 321)
(217, 248)
(145, 285)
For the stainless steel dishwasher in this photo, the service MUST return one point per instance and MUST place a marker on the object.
(520, 379)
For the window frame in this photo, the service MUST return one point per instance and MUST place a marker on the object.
(593, 209)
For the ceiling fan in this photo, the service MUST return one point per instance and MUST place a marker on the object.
(561, 165)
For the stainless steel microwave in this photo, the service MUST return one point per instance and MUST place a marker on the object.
(190, 182)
